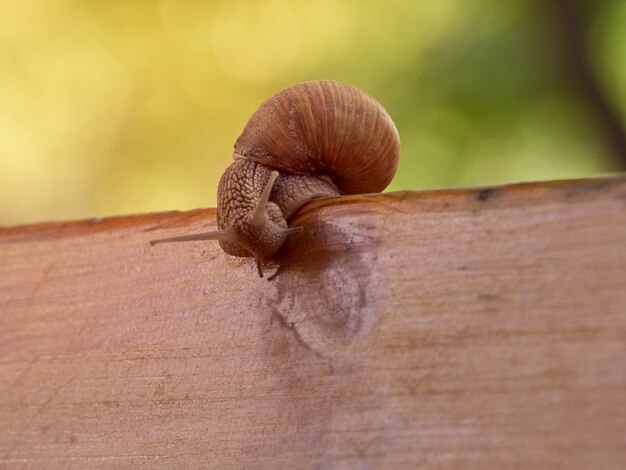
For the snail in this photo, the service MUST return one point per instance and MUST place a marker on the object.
(311, 140)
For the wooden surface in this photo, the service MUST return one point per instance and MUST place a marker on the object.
(477, 328)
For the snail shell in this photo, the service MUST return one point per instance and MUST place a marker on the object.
(325, 127)
(314, 139)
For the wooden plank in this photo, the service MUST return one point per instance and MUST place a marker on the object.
(462, 328)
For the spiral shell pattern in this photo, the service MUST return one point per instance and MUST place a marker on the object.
(324, 128)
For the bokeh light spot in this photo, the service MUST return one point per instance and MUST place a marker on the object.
(255, 40)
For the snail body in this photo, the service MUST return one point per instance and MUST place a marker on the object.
(314, 139)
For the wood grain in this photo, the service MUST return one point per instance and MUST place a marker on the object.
(471, 328)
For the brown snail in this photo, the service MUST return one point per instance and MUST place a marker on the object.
(311, 140)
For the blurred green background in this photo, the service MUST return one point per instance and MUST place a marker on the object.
(120, 107)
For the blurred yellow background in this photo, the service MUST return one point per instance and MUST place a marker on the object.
(118, 107)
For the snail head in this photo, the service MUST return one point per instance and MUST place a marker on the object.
(258, 233)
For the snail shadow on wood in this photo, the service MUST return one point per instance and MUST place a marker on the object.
(334, 259)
